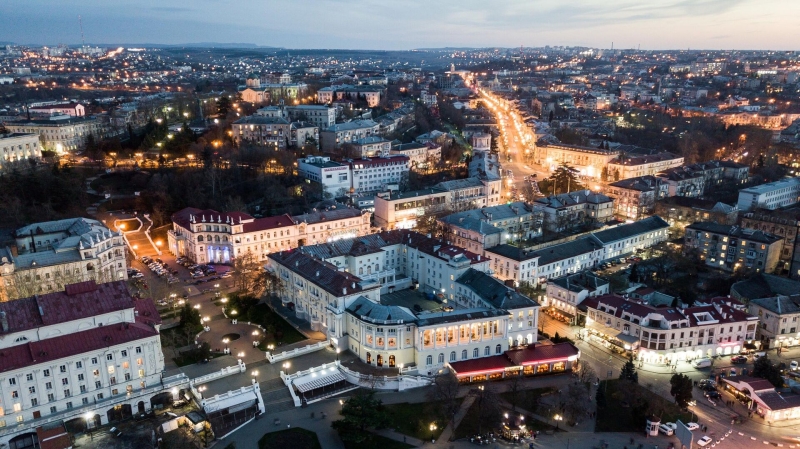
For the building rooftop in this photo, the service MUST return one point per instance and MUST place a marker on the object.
(734, 231)
(326, 275)
(494, 292)
(577, 282)
(261, 120)
(763, 285)
(780, 304)
(770, 186)
(355, 124)
(573, 199)
(379, 313)
(624, 231)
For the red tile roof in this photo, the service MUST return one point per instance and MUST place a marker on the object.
(50, 349)
(55, 437)
(78, 301)
(483, 365)
(262, 224)
(534, 354)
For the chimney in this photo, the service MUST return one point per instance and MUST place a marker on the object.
(4, 321)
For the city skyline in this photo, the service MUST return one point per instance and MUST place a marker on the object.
(669, 24)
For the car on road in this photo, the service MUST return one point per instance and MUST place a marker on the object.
(793, 365)
(712, 394)
(702, 442)
(739, 359)
(692, 425)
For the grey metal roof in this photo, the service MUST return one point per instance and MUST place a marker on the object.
(427, 319)
(765, 285)
(577, 282)
(493, 292)
(734, 231)
(780, 304)
(568, 250)
(456, 184)
(624, 231)
(369, 311)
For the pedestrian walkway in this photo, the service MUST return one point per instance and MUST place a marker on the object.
(450, 429)
(397, 436)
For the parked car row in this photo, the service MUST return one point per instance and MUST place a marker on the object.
(162, 269)
(133, 273)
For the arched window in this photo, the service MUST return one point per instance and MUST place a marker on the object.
(486, 351)
(208, 237)
(199, 238)
(429, 360)
(441, 358)
(498, 349)
(475, 353)
(453, 356)
(216, 238)
(369, 358)
(464, 355)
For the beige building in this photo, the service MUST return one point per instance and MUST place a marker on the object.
(588, 161)
(64, 133)
(780, 320)
(567, 210)
(636, 166)
(270, 131)
(52, 254)
(19, 147)
(420, 154)
(635, 198)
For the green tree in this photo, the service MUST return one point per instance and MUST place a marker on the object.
(681, 389)
(628, 371)
(190, 316)
(564, 179)
(360, 412)
(600, 397)
(633, 277)
(604, 174)
(765, 369)
(223, 105)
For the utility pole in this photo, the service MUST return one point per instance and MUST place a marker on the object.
(80, 22)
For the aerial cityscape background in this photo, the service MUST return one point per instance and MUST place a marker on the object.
(358, 224)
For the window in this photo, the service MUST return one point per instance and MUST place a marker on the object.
(80, 376)
(94, 360)
(464, 355)
(98, 384)
(429, 360)
(53, 409)
(65, 381)
(31, 390)
(139, 362)
(498, 349)
(67, 393)
(441, 358)
(51, 397)
(69, 405)
(110, 369)
(79, 364)
(475, 353)
(12, 381)
(453, 356)
(63, 368)
(99, 395)
(138, 349)
(124, 353)
(110, 357)
(29, 377)
(96, 372)
(486, 351)
(48, 385)
(46, 373)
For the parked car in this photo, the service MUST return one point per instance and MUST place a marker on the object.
(712, 394)
(666, 430)
(692, 425)
(793, 365)
(702, 442)
(671, 425)
(739, 359)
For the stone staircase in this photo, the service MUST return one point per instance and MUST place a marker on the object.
(276, 396)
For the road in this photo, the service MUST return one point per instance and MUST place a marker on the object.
(717, 416)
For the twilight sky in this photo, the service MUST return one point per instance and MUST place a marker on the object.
(406, 24)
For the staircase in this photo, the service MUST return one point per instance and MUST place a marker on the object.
(276, 396)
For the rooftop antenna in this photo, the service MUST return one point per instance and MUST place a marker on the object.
(80, 22)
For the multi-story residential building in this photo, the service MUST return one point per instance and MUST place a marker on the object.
(629, 238)
(373, 146)
(52, 254)
(208, 236)
(303, 133)
(686, 210)
(371, 94)
(421, 155)
(659, 335)
(472, 193)
(635, 198)
(564, 294)
(478, 229)
(90, 353)
(334, 177)
(784, 224)
(773, 195)
(779, 317)
(568, 210)
(731, 248)
(349, 132)
(636, 166)
(322, 116)
(589, 161)
(18, 147)
(734, 171)
(64, 133)
(373, 174)
(681, 181)
(256, 92)
(261, 130)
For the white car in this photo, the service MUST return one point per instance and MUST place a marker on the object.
(704, 441)
(793, 365)
(671, 425)
(692, 426)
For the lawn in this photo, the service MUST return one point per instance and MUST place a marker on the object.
(415, 419)
(469, 426)
(295, 438)
(527, 399)
(376, 442)
(627, 405)
(283, 331)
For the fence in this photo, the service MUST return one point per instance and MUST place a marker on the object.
(399, 383)
(224, 372)
(272, 358)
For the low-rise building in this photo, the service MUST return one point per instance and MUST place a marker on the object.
(209, 236)
(635, 198)
(626, 239)
(773, 195)
(780, 320)
(303, 133)
(373, 146)
(321, 116)
(421, 155)
(686, 210)
(683, 182)
(333, 176)
(564, 294)
(761, 397)
(52, 254)
(90, 353)
(731, 248)
(785, 224)
(370, 94)
(636, 166)
(64, 133)
(568, 210)
(18, 147)
(590, 162)
(478, 229)
(659, 335)
(349, 132)
(376, 174)
(261, 130)
(72, 109)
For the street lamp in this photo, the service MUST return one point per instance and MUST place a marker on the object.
(337, 353)
(286, 367)
(557, 419)
(255, 374)
(341, 403)
(225, 340)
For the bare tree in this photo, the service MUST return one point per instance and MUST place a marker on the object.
(586, 374)
(575, 401)
(445, 390)
(515, 385)
(372, 381)
(248, 274)
(488, 403)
